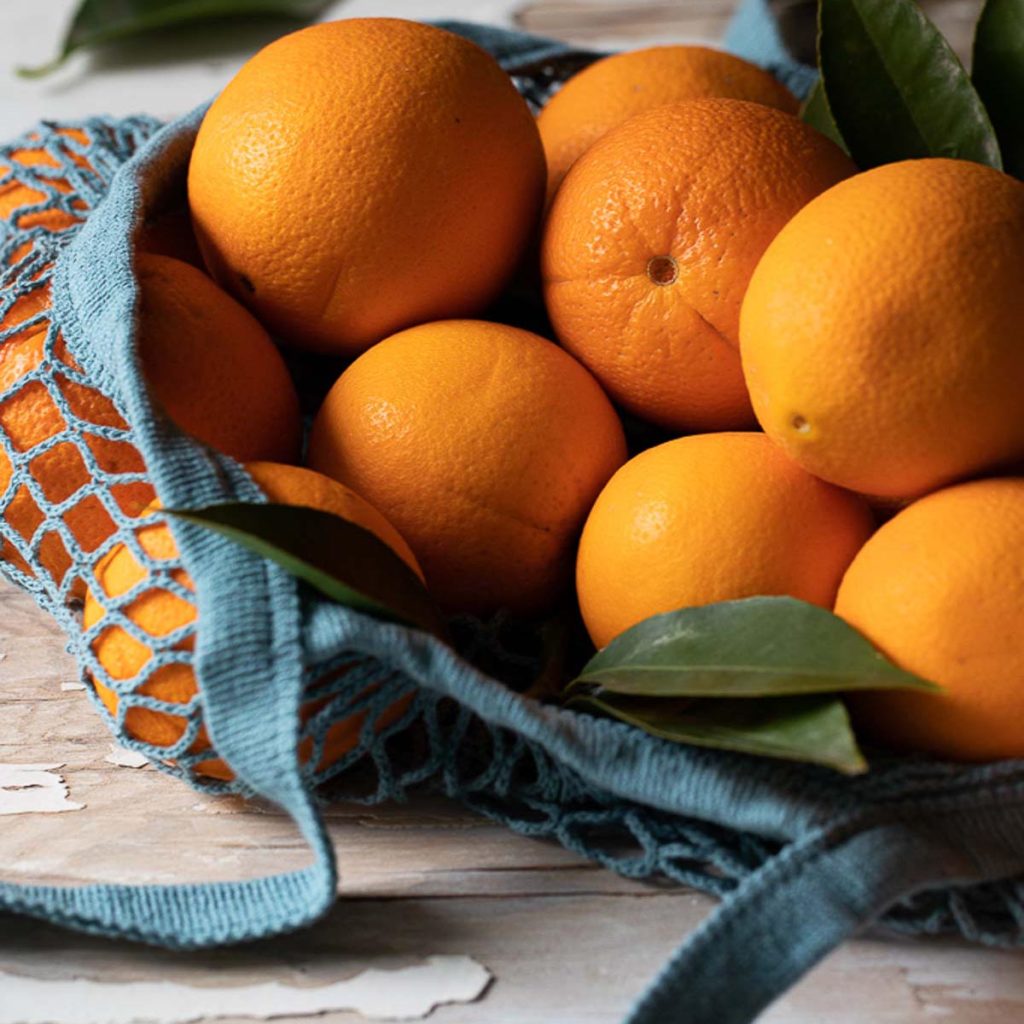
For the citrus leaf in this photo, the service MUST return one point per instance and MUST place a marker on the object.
(816, 113)
(813, 728)
(106, 21)
(998, 73)
(895, 87)
(755, 647)
(343, 561)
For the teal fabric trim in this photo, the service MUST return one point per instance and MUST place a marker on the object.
(802, 857)
(239, 596)
(753, 34)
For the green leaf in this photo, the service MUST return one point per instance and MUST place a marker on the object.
(813, 728)
(106, 21)
(348, 564)
(895, 87)
(998, 73)
(756, 647)
(816, 113)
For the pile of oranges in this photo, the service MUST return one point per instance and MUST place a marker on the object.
(709, 264)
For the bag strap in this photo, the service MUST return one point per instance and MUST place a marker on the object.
(257, 733)
(252, 716)
(248, 654)
(820, 891)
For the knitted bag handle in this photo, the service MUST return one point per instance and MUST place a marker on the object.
(822, 890)
(252, 687)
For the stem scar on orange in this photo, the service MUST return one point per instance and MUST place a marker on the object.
(652, 239)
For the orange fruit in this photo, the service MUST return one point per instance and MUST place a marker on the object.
(615, 88)
(159, 613)
(21, 188)
(360, 176)
(713, 517)
(940, 590)
(485, 445)
(26, 190)
(881, 334)
(168, 232)
(295, 485)
(51, 451)
(652, 238)
(212, 367)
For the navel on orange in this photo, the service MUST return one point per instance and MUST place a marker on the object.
(651, 241)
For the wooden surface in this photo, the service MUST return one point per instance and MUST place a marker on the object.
(567, 943)
(593, 22)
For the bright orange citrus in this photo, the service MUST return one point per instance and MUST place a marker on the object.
(881, 335)
(212, 367)
(485, 446)
(53, 450)
(652, 238)
(708, 518)
(940, 590)
(360, 176)
(158, 613)
(17, 195)
(613, 89)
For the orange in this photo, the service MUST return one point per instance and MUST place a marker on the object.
(212, 367)
(51, 452)
(168, 232)
(940, 590)
(362, 176)
(159, 613)
(652, 239)
(25, 190)
(21, 188)
(881, 335)
(615, 88)
(485, 445)
(709, 518)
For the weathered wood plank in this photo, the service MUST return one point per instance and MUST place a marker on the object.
(639, 22)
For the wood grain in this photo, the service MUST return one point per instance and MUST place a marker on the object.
(636, 22)
(566, 941)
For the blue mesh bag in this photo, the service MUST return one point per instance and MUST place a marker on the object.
(297, 698)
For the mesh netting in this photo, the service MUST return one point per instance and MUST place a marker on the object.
(77, 531)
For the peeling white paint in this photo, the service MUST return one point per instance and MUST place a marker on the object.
(409, 993)
(125, 758)
(67, 687)
(34, 789)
